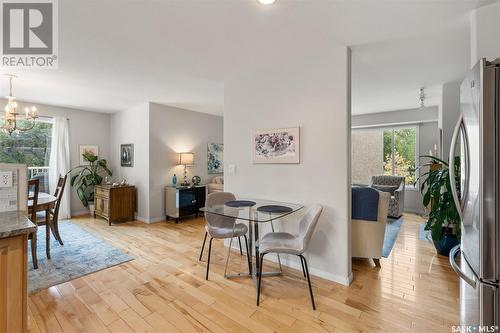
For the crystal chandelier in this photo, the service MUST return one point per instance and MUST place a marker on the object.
(10, 120)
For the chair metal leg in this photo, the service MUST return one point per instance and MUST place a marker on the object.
(239, 241)
(33, 250)
(248, 256)
(279, 259)
(203, 246)
(260, 277)
(309, 282)
(303, 269)
(209, 251)
(228, 253)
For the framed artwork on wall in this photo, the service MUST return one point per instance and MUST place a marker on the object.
(87, 149)
(127, 155)
(281, 145)
(215, 158)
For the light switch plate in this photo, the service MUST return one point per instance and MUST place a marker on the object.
(6, 179)
(232, 169)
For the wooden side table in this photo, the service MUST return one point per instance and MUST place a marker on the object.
(115, 203)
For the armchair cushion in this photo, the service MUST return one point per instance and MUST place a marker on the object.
(364, 203)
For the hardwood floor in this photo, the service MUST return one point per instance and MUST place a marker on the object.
(164, 290)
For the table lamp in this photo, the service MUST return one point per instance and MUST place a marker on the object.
(185, 159)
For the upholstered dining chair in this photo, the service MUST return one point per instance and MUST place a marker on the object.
(286, 243)
(222, 227)
(54, 214)
(33, 190)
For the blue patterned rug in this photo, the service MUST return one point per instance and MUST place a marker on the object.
(81, 254)
(391, 233)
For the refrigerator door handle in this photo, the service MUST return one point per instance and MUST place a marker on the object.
(458, 270)
(459, 203)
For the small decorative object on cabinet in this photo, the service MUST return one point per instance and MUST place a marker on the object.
(115, 203)
(174, 180)
(183, 201)
(196, 180)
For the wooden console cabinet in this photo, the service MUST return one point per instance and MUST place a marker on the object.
(115, 203)
(184, 201)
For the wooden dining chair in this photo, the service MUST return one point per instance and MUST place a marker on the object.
(33, 190)
(54, 214)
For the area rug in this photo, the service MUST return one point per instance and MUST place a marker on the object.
(391, 233)
(81, 254)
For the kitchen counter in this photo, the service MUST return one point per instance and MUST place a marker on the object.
(14, 224)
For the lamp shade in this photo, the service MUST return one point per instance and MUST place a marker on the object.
(185, 158)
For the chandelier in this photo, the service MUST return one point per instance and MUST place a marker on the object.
(10, 120)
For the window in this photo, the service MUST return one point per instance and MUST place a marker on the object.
(400, 153)
(31, 148)
(389, 151)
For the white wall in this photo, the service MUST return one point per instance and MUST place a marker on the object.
(174, 130)
(85, 127)
(428, 135)
(485, 25)
(314, 94)
(449, 110)
(132, 126)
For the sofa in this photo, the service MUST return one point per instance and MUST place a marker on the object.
(395, 186)
(216, 185)
(367, 236)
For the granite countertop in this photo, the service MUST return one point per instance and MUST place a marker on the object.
(15, 223)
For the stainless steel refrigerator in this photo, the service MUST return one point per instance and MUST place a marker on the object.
(477, 141)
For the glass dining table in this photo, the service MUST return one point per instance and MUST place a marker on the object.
(255, 212)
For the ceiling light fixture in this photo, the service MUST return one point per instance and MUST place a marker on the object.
(266, 2)
(10, 120)
(421, 97)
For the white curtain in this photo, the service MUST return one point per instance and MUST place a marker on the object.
(59, 162)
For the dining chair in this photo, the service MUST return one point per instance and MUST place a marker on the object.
(222, 227)
(286, 243)
(33, 190)
(54, 214)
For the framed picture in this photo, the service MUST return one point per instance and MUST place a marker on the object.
(215, 158)
(87, 149)
(281, 145)
(127, 155)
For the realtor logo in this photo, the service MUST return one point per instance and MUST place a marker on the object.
(29, 33)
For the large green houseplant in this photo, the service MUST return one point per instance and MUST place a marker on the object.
(85, 177)
(444, 220)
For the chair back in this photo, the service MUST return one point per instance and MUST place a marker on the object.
(61, 183)
(33, 190)
(218, 221)
(308, 224)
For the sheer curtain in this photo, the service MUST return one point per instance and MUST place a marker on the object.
(59, 162)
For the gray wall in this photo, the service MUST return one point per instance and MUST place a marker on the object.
(174, 130)
(85, 127)
(428, 135)
(158, 133)
(132, 126)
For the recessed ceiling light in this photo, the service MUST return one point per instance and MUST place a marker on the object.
(266, 2)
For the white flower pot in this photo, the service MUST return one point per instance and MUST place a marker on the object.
(92, 209)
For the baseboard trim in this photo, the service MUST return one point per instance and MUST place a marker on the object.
(80, 213)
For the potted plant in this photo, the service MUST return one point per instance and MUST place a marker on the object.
(87, 177)
(444, 220)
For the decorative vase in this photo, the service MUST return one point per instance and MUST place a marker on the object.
(174, 180)
(445, 243)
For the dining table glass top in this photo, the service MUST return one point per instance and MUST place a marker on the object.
(253, 210)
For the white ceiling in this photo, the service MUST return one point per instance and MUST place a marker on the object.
(113, 54)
